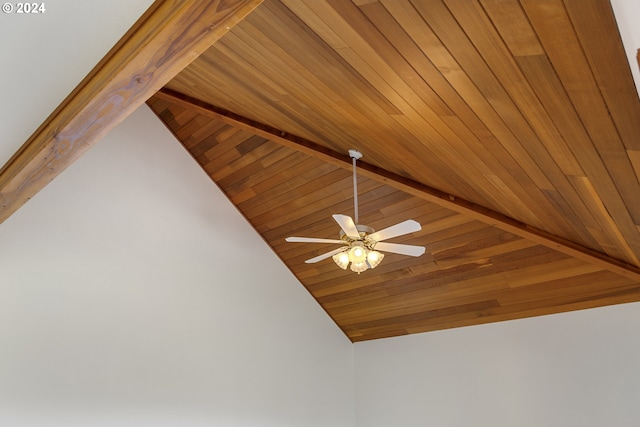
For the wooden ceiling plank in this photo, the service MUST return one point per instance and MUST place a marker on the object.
(537, 132)
(278, 184)
(515, 30)
(473, 249)
(251, 161)
(298, 87)
(367, 21)
(334, 72)
(596, 27)
(443, 241)
(458, 82)
(425, 214)
(185, 133)
(412, 204)
(162, 42)
(233, 97)
(473, 152)
(392, 308)
(443, 288)
(304, 73)
(224, 152)
(510, 20)
(277, 21)
(403, 54)
(430, 276)
(524, 310)
(590, 285)
(446, 220)
(330, 305)
(325, 59)
(200, 140)
(634, 157)
(292, 217)
(496, 117)
(210, 127)
(619, 187)
(327, 22)
(475, 185)
(407, 320)
(451, 290)
(473, 289)
(560, 269)
(484, 85)
(364, 54)
(605, 221)
(545, 82)
(542, 76)
(451, 318)
(286, 169)
(412, 187)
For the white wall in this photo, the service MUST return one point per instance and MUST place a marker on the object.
(115, 308)
(44, 57)
(571, 369)
(132, 293)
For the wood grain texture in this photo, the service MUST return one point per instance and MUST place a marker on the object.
(472, 272)
(508, 128)
(163, 41)
(429, 194)
(509, 105)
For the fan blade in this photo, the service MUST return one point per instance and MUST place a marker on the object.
(312, 240)
(348, 226)
(405, 227)
(399, 249)
(324, 256)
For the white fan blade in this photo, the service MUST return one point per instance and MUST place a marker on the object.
(405, 227)
(312, 240)
(399, 249)
(324, 256)
(348, 226)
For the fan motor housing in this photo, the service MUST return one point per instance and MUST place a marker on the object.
(364, 230)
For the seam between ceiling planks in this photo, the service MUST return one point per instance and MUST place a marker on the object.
(409, 186)
(166, 38)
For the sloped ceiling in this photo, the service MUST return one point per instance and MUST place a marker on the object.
(509, 129)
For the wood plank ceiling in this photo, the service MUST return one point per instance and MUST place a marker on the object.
(509, 129)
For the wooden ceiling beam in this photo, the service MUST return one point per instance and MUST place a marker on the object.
(168, 36)
(409, 186)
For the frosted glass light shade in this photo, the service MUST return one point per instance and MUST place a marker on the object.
(359, 266)
(357, 254)
(374, 258)
(342, 260)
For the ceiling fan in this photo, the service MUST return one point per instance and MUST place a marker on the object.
(360, 244)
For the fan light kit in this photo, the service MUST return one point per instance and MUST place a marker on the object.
(360, 244)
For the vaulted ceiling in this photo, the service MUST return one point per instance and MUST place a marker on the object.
(505, 128)
(509, 129)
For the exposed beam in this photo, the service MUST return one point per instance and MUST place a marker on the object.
(168, 36)
(409, 186)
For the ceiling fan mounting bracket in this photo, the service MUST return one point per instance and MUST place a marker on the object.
(355, 154)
